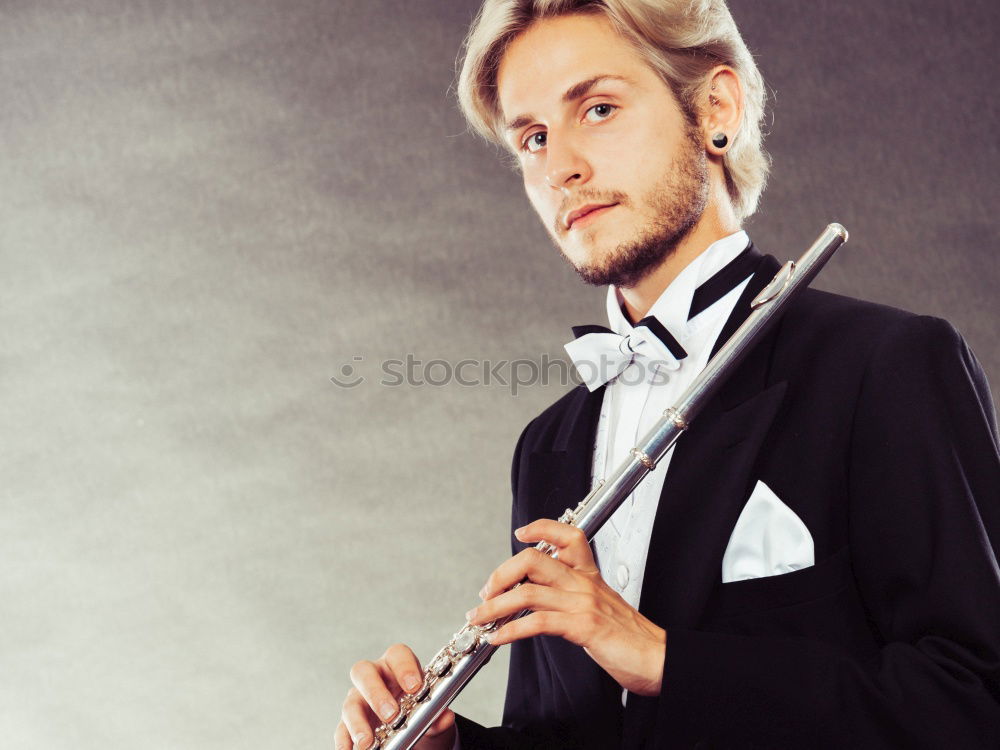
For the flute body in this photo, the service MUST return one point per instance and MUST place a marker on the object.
(468, 651)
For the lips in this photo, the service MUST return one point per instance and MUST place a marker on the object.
(583, 211)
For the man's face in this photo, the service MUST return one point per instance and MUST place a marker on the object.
(594, 125)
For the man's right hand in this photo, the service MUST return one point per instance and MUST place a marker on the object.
(373, 701)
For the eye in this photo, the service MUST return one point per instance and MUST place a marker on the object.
(534, 142)
(603, 111)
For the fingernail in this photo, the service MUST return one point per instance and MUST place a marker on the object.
(411, 682)
(519, 532)
(482, 593)
(364, 740)
(387, 711)
(470, 614)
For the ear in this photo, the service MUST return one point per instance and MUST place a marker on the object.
(721, 109)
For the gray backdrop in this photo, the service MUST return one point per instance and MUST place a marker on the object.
(209, 209)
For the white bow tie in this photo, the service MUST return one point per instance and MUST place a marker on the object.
(599, 354)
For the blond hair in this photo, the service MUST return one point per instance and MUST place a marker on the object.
(682, 40)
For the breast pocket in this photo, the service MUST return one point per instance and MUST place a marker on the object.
(825, 578)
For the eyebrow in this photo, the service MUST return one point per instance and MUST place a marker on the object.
(574, 92)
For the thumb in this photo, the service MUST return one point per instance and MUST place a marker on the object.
(442, 724)
(441, 735)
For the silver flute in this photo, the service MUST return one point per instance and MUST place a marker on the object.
(468, 650)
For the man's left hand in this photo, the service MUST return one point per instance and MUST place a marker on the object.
(568, 598)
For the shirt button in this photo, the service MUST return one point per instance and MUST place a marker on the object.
(622, 576)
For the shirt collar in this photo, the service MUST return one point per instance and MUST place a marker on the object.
(672, 306)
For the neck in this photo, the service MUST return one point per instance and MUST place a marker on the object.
(717, 221)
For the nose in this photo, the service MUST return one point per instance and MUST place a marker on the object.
(565, 165)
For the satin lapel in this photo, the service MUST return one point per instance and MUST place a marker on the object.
(558, 479)
(709, 479)
(707, 485)
(706, 488)
(561, 476)
(763, 273)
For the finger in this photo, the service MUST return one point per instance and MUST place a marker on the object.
(404, 668)
(526, 596)
(442, 723)
(342, 738)
(530, 564)
(358, 718)
(574, 550)
(536, 623)
(369, 683)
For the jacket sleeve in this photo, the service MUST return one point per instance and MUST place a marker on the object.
(924, 503)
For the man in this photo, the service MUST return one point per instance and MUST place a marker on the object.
(815, 565)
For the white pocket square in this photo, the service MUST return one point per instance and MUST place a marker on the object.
(768, 539)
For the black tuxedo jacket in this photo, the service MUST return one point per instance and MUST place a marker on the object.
(877, 428)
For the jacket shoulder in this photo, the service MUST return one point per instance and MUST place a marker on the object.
(846, 332)
(828, 321)
(817, 307)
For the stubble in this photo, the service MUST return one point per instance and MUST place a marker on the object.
(676, 203)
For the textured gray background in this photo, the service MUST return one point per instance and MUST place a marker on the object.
(208, 208)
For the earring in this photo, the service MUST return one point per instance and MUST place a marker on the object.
(719, 140)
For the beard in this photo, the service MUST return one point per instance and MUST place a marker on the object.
(676, 202)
